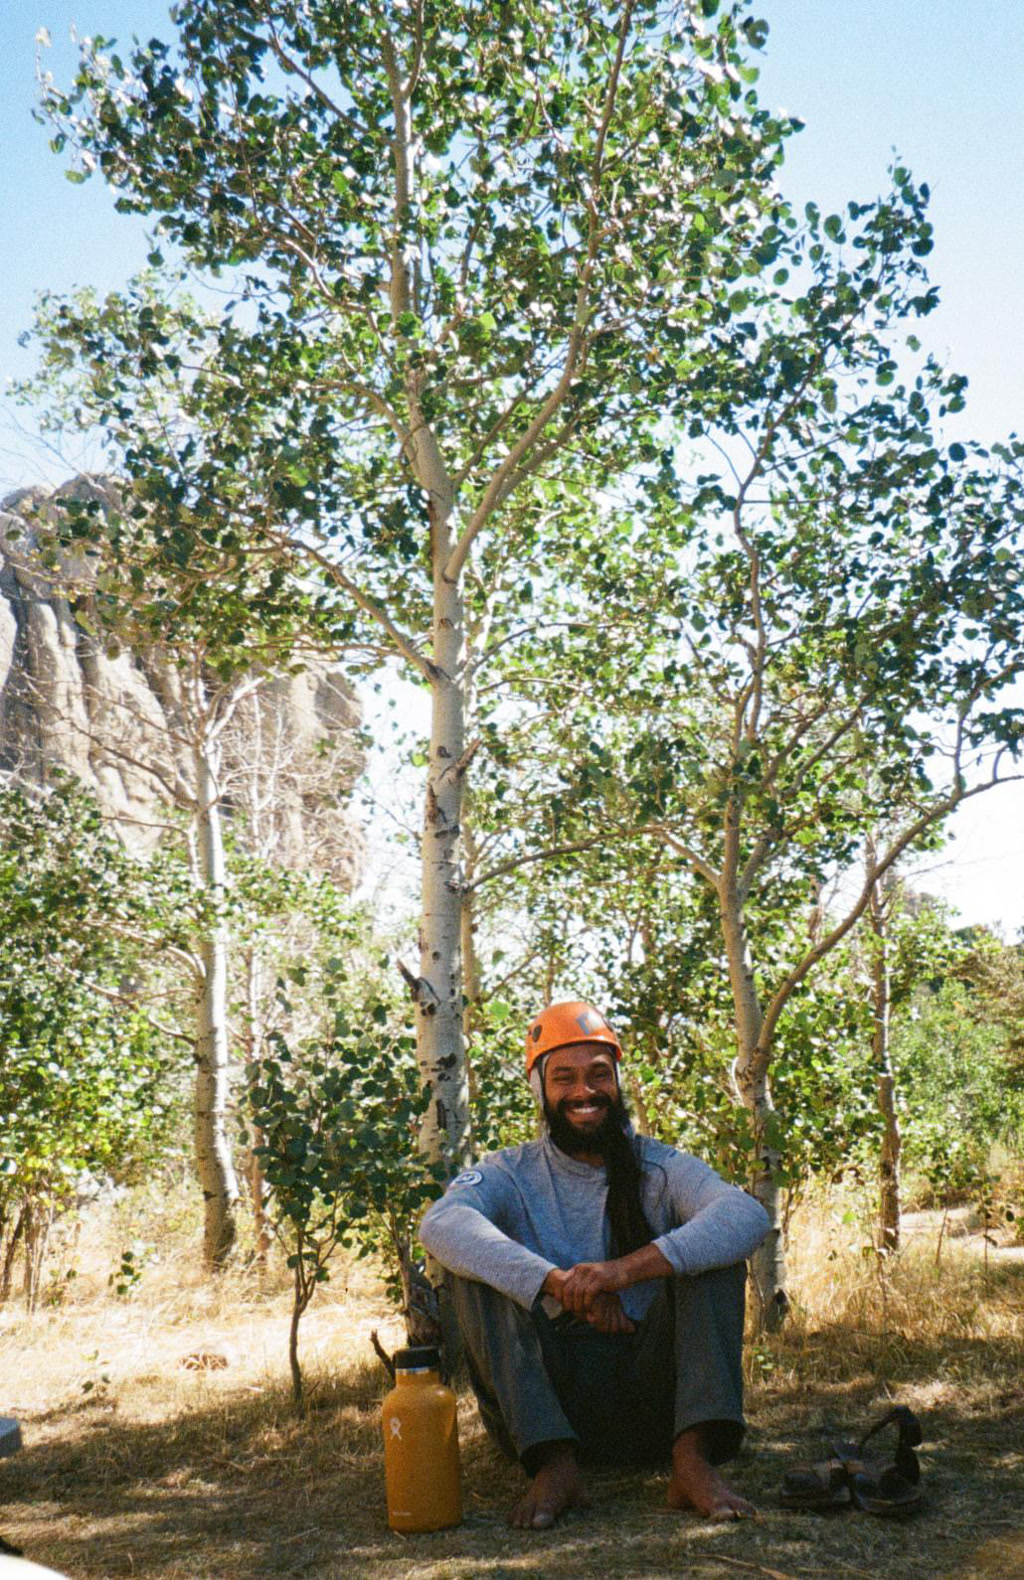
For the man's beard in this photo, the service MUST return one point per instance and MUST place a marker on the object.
(569, 1139)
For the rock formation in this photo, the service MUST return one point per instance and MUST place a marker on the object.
(68, 700)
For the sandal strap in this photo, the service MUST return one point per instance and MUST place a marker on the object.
(908, 1464)
(910, 1433)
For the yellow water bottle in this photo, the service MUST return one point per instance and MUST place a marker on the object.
(421, 1445)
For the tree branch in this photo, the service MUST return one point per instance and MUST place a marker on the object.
(690, 856)
(114, 996)
(402, 642)
(399, 293)
(496, 490)
(550, 854)
(792, 981)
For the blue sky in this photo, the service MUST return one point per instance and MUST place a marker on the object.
(938, 82)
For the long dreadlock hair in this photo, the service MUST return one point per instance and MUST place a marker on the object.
(629, 1227)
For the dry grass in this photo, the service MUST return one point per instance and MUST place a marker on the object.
(155, 1470)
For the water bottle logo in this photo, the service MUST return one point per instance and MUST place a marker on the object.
(396, 1428)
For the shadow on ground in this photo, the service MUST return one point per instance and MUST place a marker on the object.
(238, 1487)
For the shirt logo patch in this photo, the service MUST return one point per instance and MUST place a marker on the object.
(468, 1177)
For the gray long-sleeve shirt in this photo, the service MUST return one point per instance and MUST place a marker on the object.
(525, 1210)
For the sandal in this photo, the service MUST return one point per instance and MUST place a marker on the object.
(816, 1487)
(890, 1489)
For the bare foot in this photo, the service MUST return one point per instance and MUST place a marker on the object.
(697, 1485)
(557, 1486)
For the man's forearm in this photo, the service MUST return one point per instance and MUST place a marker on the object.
(640, 1265)
(603, 1311)
(588, 1278)
(579, 1288)
(469, 1245)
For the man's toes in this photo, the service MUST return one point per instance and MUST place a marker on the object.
(735, 1509)
(530, 1516)
(540, 1515)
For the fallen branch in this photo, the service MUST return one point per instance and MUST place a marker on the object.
(382, 1355)
(741, 1563)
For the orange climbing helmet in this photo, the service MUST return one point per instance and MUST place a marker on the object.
(560, 1025)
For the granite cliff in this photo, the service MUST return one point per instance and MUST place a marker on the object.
(68, 700)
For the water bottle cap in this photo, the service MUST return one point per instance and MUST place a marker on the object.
(419, 1358)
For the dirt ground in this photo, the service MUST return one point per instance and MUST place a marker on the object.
(135, 1465)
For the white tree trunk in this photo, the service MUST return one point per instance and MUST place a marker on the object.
(440, 1048)
(440, 1044)
(213, 1146)
(768, 1264)
(889, 1154)
(472, 984)
(889, 1158)
(253, 1050)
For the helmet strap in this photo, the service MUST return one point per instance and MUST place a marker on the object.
(536, 1078)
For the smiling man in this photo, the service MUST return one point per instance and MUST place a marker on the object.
(598, 1279)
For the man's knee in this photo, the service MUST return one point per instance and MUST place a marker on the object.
(480, 1308)
(512, 1367)
(717, 1296)
(731, 1279)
